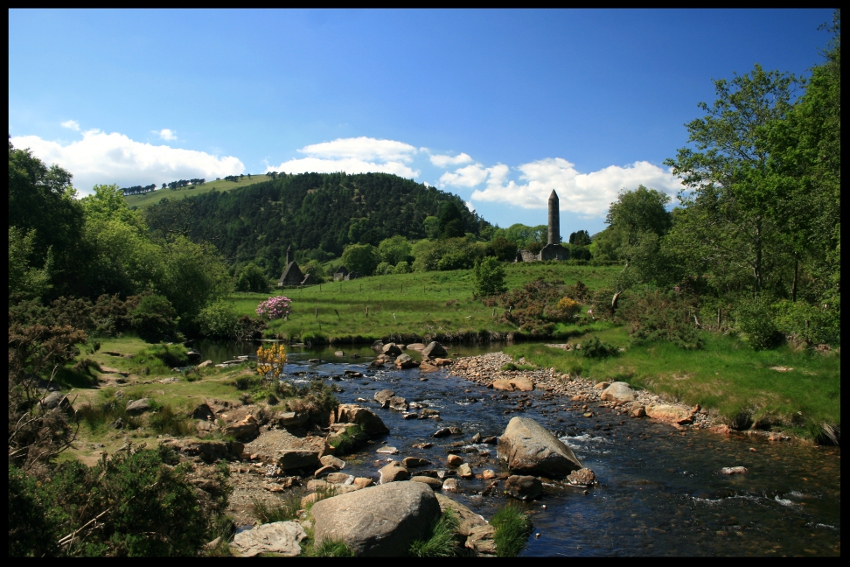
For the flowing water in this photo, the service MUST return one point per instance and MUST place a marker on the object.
(660, 490)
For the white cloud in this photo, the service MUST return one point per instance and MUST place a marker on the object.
(468, 176)
(71, 125)
(101, 158)
(588, 194)
(166, 134)
(362, 148)
(354, 155)
(470, 206)
(348, 165)
(446, 161)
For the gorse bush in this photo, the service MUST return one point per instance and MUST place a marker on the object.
(655, 315)
(594, 348)
(142, 508)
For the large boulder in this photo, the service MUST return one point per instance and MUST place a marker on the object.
(618, 392)
(404, 361)
(368, 420)
(54, 399)
(434, 349)
(298, 459)
(380, 521)
(528, 448)
(278, 537)
(477, 531)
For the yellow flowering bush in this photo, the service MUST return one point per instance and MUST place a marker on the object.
(271, 360)
(568, 307)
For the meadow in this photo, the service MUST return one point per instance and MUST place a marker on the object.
(148, 199)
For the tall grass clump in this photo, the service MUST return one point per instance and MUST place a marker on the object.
(513, 527)
(282, 510)
(442, 540)
(331, 548)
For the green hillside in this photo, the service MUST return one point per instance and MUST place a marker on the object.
(318, 215)
(148, 199)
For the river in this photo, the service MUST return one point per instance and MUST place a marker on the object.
(660, 490)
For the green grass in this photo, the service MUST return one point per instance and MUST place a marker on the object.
(148, 199)
(283, 510)
(726, 376)
(513, 527)
(442, 540)
(330, 548)
(435, 304)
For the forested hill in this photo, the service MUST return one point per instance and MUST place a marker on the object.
(319, 213)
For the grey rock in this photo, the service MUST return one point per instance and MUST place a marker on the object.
(618, 392)
(277, 537)
(434, 483)
(398, 403)
(523, 487)
(380, 521)
(139, 406)
(365, 418)
(297, 459)
(528, 448)
(383, 397)
(391, 349)
(434, 349)
(393, 472)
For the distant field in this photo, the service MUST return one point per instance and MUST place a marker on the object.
(431, 303)
(149, 199)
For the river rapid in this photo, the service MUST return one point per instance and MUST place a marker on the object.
(660, 492)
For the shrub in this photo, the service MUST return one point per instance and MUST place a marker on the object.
(145, 508)
(489, 277)
(755, 321)
(154, 318)
(383, 269)
(512, 527)
(594, 348)
(274, 307)
(577, 291)
(218, 320)
(655, 315)
(402, 268)
(568, 307)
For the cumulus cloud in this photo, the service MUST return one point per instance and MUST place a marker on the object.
(588, 194)
(166, 134)
(101, 158)
(446, 161)
(71, 125)
(353, 155)
(362, 148)
(469, 206)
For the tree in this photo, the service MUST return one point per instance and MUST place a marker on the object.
(41, 198)
(451, 221)
(728, 197)
(431, 226)
(252, 278)
(489, 277)
(25, 281)
(637, 211)
(363, 258)
(395, 249)
(580, 238)
(503, 249)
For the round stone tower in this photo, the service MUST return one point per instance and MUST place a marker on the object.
(554, 219)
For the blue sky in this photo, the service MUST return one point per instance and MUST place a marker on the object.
(497, 106)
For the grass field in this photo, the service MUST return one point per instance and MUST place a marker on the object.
(799, 391)
(424, 304)
(149, 199)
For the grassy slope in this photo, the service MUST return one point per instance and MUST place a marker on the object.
(432, 303)
(149, 199)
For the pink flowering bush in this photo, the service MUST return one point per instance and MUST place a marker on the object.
(274, 307)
